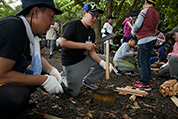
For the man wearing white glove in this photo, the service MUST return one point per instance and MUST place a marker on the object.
(60, 78)
(55, 72)
(20, 48)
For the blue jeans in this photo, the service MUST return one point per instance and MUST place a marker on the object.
(154, 59)
(144, 54)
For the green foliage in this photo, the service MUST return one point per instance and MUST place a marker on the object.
(168, 13)
(5, 9)
(72, 9)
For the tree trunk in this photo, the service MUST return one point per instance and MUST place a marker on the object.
(109, 7)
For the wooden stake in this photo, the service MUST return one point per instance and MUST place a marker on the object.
(107, 59)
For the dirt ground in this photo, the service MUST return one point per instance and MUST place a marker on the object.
(153, 106)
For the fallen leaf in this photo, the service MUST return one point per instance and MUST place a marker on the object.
(45, 93)
(55, 106)
(149, 110)
(136, 106)
(146, 105)
(73, 102)
(111, 85)
(88, 101)
(89, 114)
(31, 113)
(111, 114)
(125, 116)
(127, 106)
(71, 98)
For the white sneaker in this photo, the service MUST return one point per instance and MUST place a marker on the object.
(116, 71)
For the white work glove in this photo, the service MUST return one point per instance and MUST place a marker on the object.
(55, 72)
(103, 65)
(164, 65)
(52, 85)
(64, 80)
(133, 33)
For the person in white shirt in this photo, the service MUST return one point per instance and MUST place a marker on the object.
(107, 29)
(51, 36)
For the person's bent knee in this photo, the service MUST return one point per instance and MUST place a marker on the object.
(75, 93)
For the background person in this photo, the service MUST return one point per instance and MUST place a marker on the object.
(124, 60)
(107, 29)
(51, 36)
(127, 29)
(20, 48)
(171, 70)
(160, 38)
(144, 28)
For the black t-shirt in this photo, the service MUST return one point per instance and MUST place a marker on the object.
(13, 40)
(77, 32)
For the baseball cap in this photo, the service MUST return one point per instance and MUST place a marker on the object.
(111, 16)
(134, 13)
(152, 1)
(175, 29)
(28, 3)
(92, 7)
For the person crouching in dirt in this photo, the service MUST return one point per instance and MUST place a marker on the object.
(78, 38)
(19, 48)
(124, 58)
(171, 69)
(144, 28)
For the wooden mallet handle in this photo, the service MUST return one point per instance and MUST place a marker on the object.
(128, 23)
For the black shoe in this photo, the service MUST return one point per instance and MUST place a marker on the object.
(91, 86)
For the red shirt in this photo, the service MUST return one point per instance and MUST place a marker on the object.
(149, 24)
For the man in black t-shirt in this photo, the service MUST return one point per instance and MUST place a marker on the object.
(19, 49)
(78, 38)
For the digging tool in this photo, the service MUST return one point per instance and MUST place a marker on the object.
(106, 38)
(101, 40)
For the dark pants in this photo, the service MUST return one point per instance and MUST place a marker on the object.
(171, 69)
(13, 100)
(144, 54)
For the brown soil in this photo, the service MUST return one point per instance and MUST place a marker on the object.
(153, 106)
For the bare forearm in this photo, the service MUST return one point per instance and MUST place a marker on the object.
(94, 56)
(13, 77)
(72, 45)
(46, 66)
